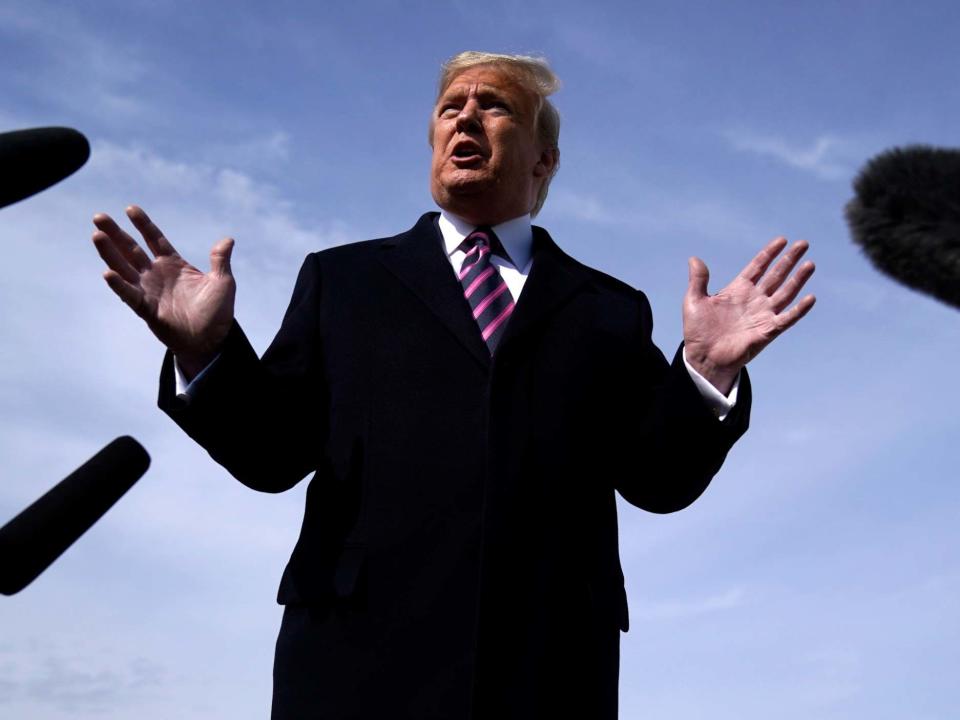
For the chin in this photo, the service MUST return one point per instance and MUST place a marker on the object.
(467, 180)
(454, 189)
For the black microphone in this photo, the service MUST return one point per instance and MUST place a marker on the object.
(32, 160)
(906, 218)
(36, 537)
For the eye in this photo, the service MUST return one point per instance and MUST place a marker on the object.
(497, 105)
(448, 110)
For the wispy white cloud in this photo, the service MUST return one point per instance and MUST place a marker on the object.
(823, 157)
(76, 681)
(78, 67)
(651, 212)
(264, 152)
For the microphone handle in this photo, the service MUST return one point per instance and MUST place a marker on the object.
(40, 534)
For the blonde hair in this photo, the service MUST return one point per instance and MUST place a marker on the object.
(534, 75)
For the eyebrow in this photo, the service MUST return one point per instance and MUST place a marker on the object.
(455, 91)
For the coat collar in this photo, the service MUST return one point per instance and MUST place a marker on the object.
(515, 236)
(418, 260)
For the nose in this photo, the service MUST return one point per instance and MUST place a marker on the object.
(468, 119)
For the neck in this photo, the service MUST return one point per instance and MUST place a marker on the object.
(468, 223)
(480, 210)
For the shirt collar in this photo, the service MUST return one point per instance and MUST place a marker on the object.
(516, 236)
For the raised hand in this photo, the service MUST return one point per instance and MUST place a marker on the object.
(189, 311)
(723, 332)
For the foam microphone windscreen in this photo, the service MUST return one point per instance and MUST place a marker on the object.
(906, 217)
(34, 159)
(36, 537)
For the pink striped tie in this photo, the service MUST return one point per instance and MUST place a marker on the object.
(485, 290)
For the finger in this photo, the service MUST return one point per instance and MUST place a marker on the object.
(123, 242)
(699, 277)
(155, 240)
(792, 287)
(788, 319)
(115, 260)
(129, 293)
(784, 266)
(220, 257)
(758, 266)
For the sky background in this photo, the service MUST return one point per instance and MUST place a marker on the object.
(818, 577)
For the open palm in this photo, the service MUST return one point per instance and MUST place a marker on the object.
(723, 332)
(188, 310)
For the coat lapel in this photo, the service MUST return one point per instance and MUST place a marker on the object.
(553, 279)
(417, 259)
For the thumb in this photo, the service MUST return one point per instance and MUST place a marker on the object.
(220, 257)
(699, 277)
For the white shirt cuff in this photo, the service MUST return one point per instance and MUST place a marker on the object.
(186, 390)
(719, 404)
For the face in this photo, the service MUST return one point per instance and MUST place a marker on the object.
(488, 162)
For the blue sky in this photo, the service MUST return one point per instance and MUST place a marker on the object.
(819, 575)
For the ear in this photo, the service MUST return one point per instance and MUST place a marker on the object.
(547, 163)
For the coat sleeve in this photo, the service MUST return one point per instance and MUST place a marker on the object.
(262, 419)
(678, 443)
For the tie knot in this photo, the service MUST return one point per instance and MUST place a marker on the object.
(484, 236)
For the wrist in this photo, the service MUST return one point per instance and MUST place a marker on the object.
(721, 377)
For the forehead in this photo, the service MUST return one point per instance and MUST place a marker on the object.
(483, 78)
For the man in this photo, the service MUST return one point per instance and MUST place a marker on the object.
(469, 398)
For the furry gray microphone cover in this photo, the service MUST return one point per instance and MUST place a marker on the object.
(906, 218)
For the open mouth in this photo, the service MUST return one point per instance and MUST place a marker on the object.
(466, 153)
